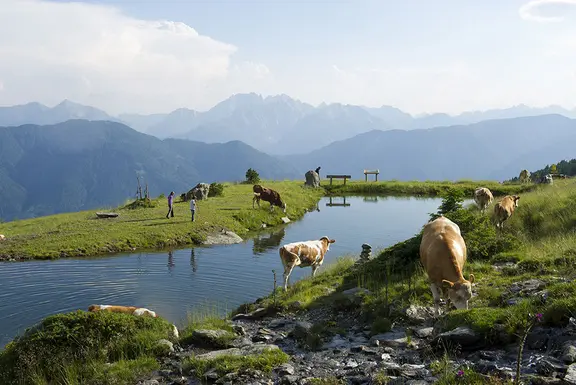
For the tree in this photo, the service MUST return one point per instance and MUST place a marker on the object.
(252, 176)
(553, 169)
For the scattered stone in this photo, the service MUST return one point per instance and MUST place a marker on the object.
(211, 338)
(278, 323)
(550, 368)
(166, 346)
(424, 332)
(285, 370)
(239, 329)
(285, 219)
(419, 314)
(301, 329)
(569, 352)
(245, 351)
(462, 336)
(570, 376)
(366, 253)
(391, 339)
(199, 192)
(226, 237)
(256, 314)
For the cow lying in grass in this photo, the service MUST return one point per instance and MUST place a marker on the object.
(267, 195)
(443, 255)
(504, 209)
(303, 254)
(137, 311)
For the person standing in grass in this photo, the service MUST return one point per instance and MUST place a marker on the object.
(170, 206)
(193, 208)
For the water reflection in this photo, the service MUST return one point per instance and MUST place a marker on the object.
(170, 261)
(262, 244)
(343, 204)
(193, 260)
(371, 199)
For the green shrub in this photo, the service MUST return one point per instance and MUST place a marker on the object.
(216, 190)
(64, 344)
(252, 176)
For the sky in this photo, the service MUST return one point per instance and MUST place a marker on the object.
(145, 56)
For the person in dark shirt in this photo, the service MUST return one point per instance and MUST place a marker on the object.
(170, 206)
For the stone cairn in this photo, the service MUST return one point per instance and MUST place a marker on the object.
(366, 253)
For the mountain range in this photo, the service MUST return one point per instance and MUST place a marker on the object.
(278, 125)
(80, 165)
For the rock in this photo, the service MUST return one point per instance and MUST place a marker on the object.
(223, 238)
(350, 364)
(570, 376)
(199, 192)
(212, 338)
(150, 382)
(424, 332)
(528, 287)
(337, 342)
(2, 237)
(245, 351)
(285, 220)
(256, 314)
(418, 314)
(278, 323)
(391, 339)
(356, 291)
(550, 368)
(462, 336)
(569, 352)
(241, 342)
(312, 179)
(296, 305)
(239, 329)
(289, 380)
(301, 329)
(285, 370)
(166, 346)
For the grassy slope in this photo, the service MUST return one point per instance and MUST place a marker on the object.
(81, 234)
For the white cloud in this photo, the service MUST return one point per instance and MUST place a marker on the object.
(96, 55)
(531, 10)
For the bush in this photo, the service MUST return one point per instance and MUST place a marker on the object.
(252, 176)
(216, 190)
(64, 345)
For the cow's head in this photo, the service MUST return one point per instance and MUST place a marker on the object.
(459, 292)
(93, 307)
(327, 241)
(516, 198)
(283, 205)
(257, 188)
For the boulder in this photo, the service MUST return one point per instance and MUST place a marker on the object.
(2, 237)
(312, 179)
(199, 192)
(212, 338)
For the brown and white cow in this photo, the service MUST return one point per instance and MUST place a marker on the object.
(504, 209)
(443, 255)
(524, 176)
(483, 197)
(139, 311)
(267, 195)
(303, 254)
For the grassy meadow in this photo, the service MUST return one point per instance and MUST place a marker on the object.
(83, 234)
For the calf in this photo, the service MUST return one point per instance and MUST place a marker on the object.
(483, 197)
(303, 254)
(267, 195)
(443, 255)
(504, 209)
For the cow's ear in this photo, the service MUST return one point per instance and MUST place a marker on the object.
(471, 278)
(332, 240)
(447, 284)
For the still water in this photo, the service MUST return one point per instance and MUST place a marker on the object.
(175, 282)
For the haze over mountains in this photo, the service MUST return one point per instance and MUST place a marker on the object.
(278, 125)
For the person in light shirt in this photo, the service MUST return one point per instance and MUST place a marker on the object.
(193, 208)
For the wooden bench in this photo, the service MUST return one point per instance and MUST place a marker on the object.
(372, 172)
(338, 177)
(344, 204)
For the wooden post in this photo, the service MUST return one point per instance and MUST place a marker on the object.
(344, 181)
(376, 177)
(365, 176)
(330, 181)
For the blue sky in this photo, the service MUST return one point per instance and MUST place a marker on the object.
(420, 56)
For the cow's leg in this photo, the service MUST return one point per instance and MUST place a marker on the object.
(436, 294)
(287, 271)
(271, 207)
(314, 268)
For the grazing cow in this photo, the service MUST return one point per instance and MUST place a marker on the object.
(140, 311)
(524, 176)
(303, 254)
(483, 197)
(547, 179)
(2, 237)
(267, 195)
(505, 208)
(443, 255)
